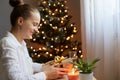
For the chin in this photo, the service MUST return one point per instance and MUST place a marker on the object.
(30, 37)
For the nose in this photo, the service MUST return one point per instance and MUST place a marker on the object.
(36, 29)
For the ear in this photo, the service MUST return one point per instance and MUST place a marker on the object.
(20, 21)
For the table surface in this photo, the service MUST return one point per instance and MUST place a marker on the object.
(79, 79)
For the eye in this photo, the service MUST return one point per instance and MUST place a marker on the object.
(35, 24)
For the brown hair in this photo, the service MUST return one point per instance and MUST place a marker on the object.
(23, 10)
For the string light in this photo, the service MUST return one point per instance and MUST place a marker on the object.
(44, 2)
(62, 5)
(35, 53)
(62, 18)
(66, 46)
(60, 11)
(51, 46)
(72, 36)
(34, 50)
(43, 19)
(80, 51)
(44, 37)
(40, 48)
(68, 38)
(47, 52)
(53, 14)
(38, 55)
(51, 55)
(71, 24)
(31, 47)
(54, 4)
(45, 22)
(65, 29)
(55, 27)
(50, 24)
(40, 24)
(61, 50)
(43, 32)
(58, 3)
(66, 11)
(52, 39)
(56, 10)
(81, 56)
(46, 16)
(34, 39)
(44, 48)
(61, 21)
(49, 4)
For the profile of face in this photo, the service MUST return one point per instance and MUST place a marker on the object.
(30, 25)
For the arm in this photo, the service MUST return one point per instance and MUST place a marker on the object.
(37, 67)
(12, 71)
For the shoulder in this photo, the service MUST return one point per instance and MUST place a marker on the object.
(6, 42)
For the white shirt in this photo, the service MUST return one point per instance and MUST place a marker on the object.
(15, 63)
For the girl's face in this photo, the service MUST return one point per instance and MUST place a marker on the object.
(30, 25)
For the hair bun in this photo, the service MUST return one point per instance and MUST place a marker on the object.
(15, 3)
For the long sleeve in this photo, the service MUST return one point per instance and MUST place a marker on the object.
(36, 67)
(14, 65)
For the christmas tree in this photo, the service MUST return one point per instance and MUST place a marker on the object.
(55, 32)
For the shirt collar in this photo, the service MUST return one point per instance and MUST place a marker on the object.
(15, 40)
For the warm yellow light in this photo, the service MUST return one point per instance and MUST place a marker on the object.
(34, 50)
(66, 46)
(60, 11)
(45, 22)
(62, 18)
(34, 39)
(66, 11)
(58, 2)
(55, 27)
(40, 24)
(50, 24)
(65, 29)
(31, 47)
(74, 31)
(44, 2)
(61, 50)
(72, 36)
(39, 27)
(42, 32)
(81, 56)
(39, 55)
(47, 52)
(51, 55)
(40, 48)
(61, 21)
(49, 4)
(80, 51)
(68, 38)
(35, 53)
(53, 14)
(46, 16)
(57, 50)
(56, 10)
(44, 37)
(51, 46)
(62, 5)
(43, 19)
(52, 39)
(66, 16)
(44, 48)
(71, 24)
(54, 4)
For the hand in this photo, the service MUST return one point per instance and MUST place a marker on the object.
(53, 72)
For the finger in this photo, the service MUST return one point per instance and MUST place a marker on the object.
(63, 69)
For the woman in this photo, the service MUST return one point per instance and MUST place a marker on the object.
(15, 63)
